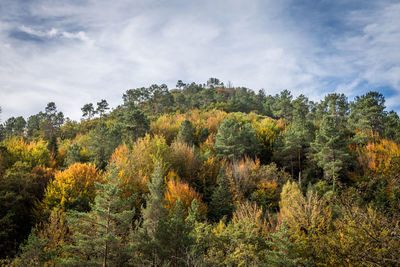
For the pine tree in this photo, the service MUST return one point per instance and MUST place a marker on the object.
(221, 200)
(102, 107)
(149, 249)
(297, 138)
(233, 140)
(174, 236)
(368, 113)
(101, 236)
(330, 148)
(134, 121)
(282, 249)
(186, 132)
(88, 111)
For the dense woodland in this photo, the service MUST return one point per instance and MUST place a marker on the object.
(203, 175)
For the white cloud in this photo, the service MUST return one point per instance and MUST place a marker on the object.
(99, 49)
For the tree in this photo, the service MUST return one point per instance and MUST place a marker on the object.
(180, 84)
(221, 200)
(214, 82)
(282, 106)
(297, 137)
(234, 140)
(73, 188)
(33, 125)
(73, 154)
(102, 236)
(307, 220)
(155, 202)
(186, 132)
(88, 111)
(335, 105)
(330, 148)
(52, 120)
(134, 122)
(150, 252)
(102, 107)
(104, 138)
(177, 191)
(14, 126)
(281, 250)
(367, 112)
(392, 126)
(17, 201)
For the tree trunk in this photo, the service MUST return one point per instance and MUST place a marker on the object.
(106, 247)
(299, 158)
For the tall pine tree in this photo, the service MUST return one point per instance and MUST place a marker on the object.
(102, 236)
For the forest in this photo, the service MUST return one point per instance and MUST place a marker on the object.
(203, 175)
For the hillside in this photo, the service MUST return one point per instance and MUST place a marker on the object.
(203, 175)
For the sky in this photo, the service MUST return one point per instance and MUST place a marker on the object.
(81, 51)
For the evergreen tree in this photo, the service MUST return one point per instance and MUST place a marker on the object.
(233, 140)
(174, 237)
(368, 113)
(14, 126)
(102, 236)
(186, 132)
(221, 200)
(282, 107)
(297, 138)
(33, 252)
(134, 122)
(102, 107)
(73, 154)
(103, 141)
(282, 249)
(88, 111)
(330, 148)
(149, 250)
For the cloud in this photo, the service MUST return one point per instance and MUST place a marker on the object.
(76, 52)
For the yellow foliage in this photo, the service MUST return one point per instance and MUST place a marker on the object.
(33, 153)
(72, 188)
(136, 166)
(308, 218)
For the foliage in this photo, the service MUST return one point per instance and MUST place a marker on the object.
(176, 190)
(101, 236)
(221, 200)
(73, 188)
(233, 140)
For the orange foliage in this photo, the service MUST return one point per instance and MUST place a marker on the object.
(245, 175)
(378, 157)
(177, 190)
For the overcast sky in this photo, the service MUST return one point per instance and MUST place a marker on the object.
(76, 52)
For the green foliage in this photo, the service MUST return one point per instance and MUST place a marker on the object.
(368, 113)
(73, 154)
(103, 141)
(101, 236)
(134, 122)
(330, 148)
(233, 140)
(221, 200)
(17, 202)
(186, 132)
(88, 111)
